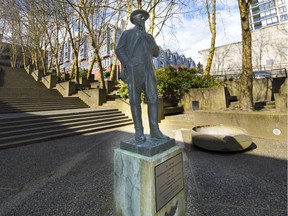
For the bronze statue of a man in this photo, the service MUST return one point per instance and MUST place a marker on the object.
(135, 50)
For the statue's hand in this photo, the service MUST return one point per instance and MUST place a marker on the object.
(152, 44)
(125, 73)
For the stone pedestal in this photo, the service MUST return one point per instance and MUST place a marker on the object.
(149, 186)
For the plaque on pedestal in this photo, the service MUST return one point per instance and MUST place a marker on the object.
(169, 180)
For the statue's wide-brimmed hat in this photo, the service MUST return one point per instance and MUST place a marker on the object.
(139, 11)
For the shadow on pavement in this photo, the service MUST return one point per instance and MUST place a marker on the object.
(74, 176)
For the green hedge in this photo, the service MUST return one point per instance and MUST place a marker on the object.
(172, 82)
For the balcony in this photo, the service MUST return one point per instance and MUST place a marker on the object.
(256, 19)
(255, 12)
(257, 27)
(254, 4)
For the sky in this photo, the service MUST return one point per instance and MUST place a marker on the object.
(192, 33)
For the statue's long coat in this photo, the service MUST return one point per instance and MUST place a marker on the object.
(136, 50)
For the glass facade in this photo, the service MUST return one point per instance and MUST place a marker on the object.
(267, 12)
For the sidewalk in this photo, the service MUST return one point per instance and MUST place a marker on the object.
(74, 176)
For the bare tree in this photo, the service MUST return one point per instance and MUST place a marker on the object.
(246, 82)
(260, 44)
(11, 16)
(33, 39)
(116, 29)
(56, 35)
(96, 17)
(73, 25)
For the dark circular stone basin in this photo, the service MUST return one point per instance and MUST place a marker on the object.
(221, 138)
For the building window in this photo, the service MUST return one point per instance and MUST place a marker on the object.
(284, 17)
(281, 2)
(282, 10)
(267, 6)
(270, 21)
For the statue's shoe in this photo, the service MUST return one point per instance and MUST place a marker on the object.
(157, 134)
(139, 136)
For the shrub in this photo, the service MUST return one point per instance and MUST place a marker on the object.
(106, 74)
(83, 73)
(174, 82)
(123, 90)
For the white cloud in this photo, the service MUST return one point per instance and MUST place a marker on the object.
(193, 35)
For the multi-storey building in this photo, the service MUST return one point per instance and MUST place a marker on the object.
(86, 53)
(267, 12)
(167, 58)
(269, 27)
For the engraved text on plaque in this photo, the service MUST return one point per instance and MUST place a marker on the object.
(169, 180)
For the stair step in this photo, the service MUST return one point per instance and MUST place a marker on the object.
(35, 109)
(46, 123)
(55, 117)
(62, 134)
(17, 131)
(173, 110)
(269, 106)
(29, 133)
(21, 93)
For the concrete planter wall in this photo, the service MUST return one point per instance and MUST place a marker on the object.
(204, 99)
(95, 84)
(66, 88)
(93, 97)
(65, 77)
(281, 98)
(29, 69)
(262, 89)
(49, 81)
(82, 80)
(37, 75)
(281, 102)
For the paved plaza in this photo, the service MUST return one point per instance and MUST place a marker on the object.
(74, 176)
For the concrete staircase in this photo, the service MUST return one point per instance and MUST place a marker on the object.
(31, 113)
(18, 130)
(268, 106)
(265, 106)
(19, 92)
(15, 105)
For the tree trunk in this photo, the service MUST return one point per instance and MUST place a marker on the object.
(212, 27)
(24, 56)
(13, 55)
(89, 72)
(246, 82)
(75, 67)
(211, 55)
(113, 68)
(101, 81)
